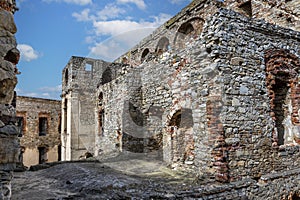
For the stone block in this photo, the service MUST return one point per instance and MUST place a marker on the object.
(9, 150)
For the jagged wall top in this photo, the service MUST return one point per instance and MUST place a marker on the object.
(9, 5)
(285, 13)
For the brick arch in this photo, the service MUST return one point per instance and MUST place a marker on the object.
(106, 76)
(162, 45)
(282, 76)
(179, 128)
(145, 52)
(189, 29)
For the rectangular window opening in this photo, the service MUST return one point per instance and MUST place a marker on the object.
(88, 67)
(43, 126)
(21, 126)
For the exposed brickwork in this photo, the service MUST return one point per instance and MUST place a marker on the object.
(217, 138)
(282, 66)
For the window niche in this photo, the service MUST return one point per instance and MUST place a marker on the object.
(66, 77)
(163, 45)
(101, 115)
(43, 126)
(246, 8)
(21, 123)
(187, 31)
(144, 54)
(88, 67)
(282, 72)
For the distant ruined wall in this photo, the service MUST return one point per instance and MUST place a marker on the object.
(81, 77)
(9, 57)
(39, 122)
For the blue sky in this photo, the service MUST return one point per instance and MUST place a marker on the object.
(51, 31)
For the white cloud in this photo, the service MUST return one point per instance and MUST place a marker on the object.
(51, 89)
(116, 46)
(77, 2)
(44, 92)
(125, 34)
(116, 27)
(104, 50)
(110, 11)
(27, 52)
(84, 15)
(139, 3)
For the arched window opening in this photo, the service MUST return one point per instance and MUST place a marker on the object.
(282, 83)
(281, 104)
(163, 45)
(144, 54)
(246, 8)
(125, 60)
(106, 76)
(187, 31)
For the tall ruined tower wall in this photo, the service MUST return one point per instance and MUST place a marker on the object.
(81, 77)
(9, 57)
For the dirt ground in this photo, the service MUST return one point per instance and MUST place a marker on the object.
(123, 177)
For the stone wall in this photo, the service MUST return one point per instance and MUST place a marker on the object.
(9, 57)
(30, 114)
(246, 113)
(81, 77)
(284, 186)
(221, 78)
(201, 93)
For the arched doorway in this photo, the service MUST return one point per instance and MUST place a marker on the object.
(179, 141)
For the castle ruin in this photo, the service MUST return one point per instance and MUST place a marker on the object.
(215, 89)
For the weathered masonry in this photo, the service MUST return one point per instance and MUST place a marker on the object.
(39, 123)
(215, 89)
(9, 58)
(80, 81)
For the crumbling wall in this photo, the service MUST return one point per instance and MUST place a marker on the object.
(248, 139)
(29, 113)
(200, 84)
(81, 78)
(178, 30)
(221, 76)
(9, 57)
